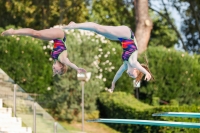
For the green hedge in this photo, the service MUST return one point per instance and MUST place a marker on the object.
(25, 61)
(124, 106)
(176, 73)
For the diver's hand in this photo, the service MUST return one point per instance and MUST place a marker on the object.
(109, 90)
(147, 77)
(112, 88)
(81, 70)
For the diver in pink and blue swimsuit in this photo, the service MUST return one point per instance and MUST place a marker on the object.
(129, 45)
(59, 52)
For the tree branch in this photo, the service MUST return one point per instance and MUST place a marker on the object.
(171, 23)
(174, 27)
(192, 3)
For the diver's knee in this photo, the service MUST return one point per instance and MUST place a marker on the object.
(100, 29)
(36, 34)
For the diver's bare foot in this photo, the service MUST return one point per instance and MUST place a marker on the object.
(71, 23)
(7, 32)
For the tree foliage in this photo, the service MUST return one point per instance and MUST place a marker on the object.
(188, 15)
(162, 33)
(191, 25)
(39, 14)
(111, 12)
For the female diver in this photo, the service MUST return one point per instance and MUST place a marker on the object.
(129, 46)
(59, 52)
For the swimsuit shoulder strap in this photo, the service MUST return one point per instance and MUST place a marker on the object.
(132, 34)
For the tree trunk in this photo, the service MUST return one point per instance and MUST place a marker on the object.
(143, 24)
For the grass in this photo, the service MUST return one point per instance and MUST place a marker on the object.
(89, 127)
(76, 127)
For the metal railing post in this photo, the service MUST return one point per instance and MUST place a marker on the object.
(82, 105)
(14, 99)
(34, 117)
(55, 127)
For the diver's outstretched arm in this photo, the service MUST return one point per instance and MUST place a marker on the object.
(117, 76)
(63, 59)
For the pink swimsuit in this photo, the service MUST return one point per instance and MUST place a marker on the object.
(58, 47)
(128, 46)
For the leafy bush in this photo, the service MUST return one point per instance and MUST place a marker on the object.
(177, 76)
(24, 60)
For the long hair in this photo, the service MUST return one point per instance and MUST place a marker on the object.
(63, 69)
(140, 74)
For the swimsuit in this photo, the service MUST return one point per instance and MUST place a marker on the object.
(58, 47)
(128, 46)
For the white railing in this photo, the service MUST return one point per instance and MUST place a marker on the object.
(22, 105)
